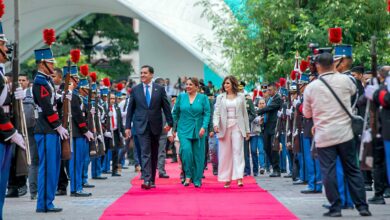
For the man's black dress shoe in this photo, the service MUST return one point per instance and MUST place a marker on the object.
(152, 184)
(274, 174)
(163, 175)
(87, 185)
(54, 209)
(368, 187)
(299, 182)
(80, 194)
(99, 178)
(22, 191)
(365, 212)
(12, 193)
(145, 185)
(377, 200)
(387, 193)
(61, 192)
(116, 174)
(310, 191)
(332, 214)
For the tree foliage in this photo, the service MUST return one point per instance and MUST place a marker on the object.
(286, 26)
(116, 30)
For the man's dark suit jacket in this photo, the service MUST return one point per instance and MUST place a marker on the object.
(139, 112)
(272, 114)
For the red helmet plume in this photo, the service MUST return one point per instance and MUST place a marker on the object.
(304, 65)
(120, 86)
(84, 70)
(294, 75)
(49, 36)
(2, 8)
(106, 82)
(282, 82)
(93, 76)
(335, 35)
(75, 55)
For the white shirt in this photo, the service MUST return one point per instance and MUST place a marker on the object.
(123, 109)
(150, 89)
(332, 123)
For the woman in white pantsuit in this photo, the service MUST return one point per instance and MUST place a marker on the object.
(232, 125)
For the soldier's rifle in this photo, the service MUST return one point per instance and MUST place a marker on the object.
(66, 117)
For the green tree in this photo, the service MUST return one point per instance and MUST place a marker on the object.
(286, 26)
(116, 30)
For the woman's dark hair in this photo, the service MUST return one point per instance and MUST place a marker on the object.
(234, 83)
(194, 81)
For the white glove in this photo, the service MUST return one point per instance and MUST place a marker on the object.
(367, 137)
(388, 83)
(288, 112)
(89, 135)
(280, 113)
(19, 93)
(18, 140)
(64, 134)
(107, 134)
(370, 90)
(296, 102)
(69, 96)
(110, 113)
(93, 111)
(100, 138)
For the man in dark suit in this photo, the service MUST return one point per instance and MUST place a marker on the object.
(147, 101)
(270, 113)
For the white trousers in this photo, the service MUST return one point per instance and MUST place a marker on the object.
(231, 162)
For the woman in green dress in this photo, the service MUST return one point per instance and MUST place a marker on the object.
(191, 115)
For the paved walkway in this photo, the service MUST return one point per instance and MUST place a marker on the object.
(107, 191)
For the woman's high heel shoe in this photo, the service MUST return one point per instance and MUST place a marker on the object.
(227, 185)
(187, 182)
(239, 183)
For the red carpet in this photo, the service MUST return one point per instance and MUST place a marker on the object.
(171, 200)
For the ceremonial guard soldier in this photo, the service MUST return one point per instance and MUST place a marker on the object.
(312, 164)
(97, 112)
(81, 134)
(8, 134)
(106, 124)
(117, 131)
(381, 97)
(48, 130)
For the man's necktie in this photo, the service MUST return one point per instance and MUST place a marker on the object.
(266, 114)
(112, 118)
(147, 95)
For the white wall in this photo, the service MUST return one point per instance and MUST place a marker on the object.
(167, 57)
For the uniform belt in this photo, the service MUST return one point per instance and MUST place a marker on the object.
(40, 109)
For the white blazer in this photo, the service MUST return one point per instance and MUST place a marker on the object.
(220, 115)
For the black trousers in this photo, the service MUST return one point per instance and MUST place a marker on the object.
(379, 171)
(14, 180)
(149, 153)
(346, 152)
(272, 155)
(63, 180)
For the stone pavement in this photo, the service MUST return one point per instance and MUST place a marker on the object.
(107, 191)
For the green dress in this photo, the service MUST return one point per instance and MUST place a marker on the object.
(190, 118)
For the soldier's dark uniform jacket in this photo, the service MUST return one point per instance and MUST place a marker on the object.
(79, 121)
(120, 128)
(382, 98)
(6, 127)
(44, 96)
